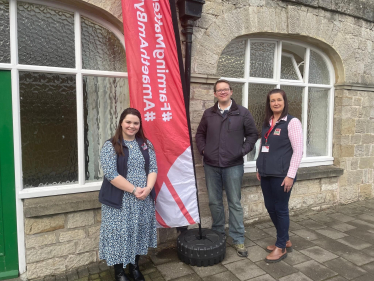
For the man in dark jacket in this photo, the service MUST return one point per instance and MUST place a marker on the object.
(226, 133)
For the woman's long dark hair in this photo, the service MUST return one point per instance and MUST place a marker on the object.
(269, 112)
(118, 137)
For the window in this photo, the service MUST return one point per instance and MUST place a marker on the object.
(256, 66)
(69, 80)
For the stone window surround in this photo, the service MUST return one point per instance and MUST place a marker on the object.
(36, 207)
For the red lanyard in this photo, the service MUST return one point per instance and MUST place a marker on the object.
(268, 132)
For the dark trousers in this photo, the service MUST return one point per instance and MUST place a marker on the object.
(276, 203)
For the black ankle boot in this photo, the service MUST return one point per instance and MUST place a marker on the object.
(134, 270)
(119, 273)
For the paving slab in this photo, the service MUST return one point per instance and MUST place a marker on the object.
(331, 233)
(265, 277)
(362, 224)
(345, 268)
(342, 226)
(318, 254)
(204, 271)
(369, 267)
(256, 253)
(224, 276)
(277, 270)
(341, 217)
(191, 277)
(354, 242)
(295, 226)
(299, 243)
(362, 234)
(254, 233)
(307, 234)
(369, 251)
(366, 277)
(264, 242)
(244, 269)
(231, 256)
(315, 270)
(164, 256)
(312, 224)
(296, 277)
(322, 218)
(295, 257)
(174, 270)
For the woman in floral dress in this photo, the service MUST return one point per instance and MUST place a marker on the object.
(128, 224)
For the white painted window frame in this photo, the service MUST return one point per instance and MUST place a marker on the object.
(15, 68)
(250, 166)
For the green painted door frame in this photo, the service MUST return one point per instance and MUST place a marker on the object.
(8, 220)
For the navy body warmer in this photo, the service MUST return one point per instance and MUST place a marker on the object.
(277, 161)
(111, 195)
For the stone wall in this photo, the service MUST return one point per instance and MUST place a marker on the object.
(57, 244)
(354, 142)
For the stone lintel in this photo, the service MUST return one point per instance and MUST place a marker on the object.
(35, 207)
(307, 173)
(355, 87)
(203, 79)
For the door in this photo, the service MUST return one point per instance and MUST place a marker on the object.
(8, 222)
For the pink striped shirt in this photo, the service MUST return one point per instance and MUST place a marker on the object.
(295, 134)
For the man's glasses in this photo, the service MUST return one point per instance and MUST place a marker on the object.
(222, 90)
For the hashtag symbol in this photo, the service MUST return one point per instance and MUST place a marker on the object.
(167, 116)
(149, 116)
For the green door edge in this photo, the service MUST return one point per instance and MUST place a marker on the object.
(9, 260)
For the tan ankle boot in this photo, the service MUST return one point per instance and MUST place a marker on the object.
(276, 255)
(271, 248)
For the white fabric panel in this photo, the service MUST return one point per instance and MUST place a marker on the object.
(181, 176)
(171, 215)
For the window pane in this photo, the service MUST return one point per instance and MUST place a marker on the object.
(295, 100)
(318, 108)
(49, 128)
(262, 59)
(101, 49)
(318, 71)
(104, 100)
(45, 36)
(288, 70)
(231, 61)
(4, 32)
(256, 105)
(237, 93)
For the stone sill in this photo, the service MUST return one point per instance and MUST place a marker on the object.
(308, 173)
(36, 207)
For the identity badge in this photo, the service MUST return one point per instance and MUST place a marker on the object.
(277, 132)
(265, 148)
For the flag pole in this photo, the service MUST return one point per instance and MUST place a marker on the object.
(186, 79)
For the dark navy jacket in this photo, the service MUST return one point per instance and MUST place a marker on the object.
(276, 162)
(111, 195)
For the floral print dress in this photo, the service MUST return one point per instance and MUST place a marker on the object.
(130, 230)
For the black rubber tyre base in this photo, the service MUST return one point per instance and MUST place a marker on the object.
(209, 250)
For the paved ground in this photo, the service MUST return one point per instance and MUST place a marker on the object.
(336, 245)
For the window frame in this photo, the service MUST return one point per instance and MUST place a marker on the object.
(15, 68)
(250, 166)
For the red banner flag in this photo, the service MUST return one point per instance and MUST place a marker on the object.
(156, 91)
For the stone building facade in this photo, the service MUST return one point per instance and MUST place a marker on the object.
(61, 231)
